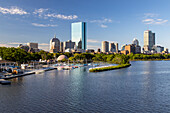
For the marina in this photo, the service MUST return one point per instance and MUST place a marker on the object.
(42, 70)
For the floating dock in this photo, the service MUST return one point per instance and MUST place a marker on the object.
(5, 82)
(28, 73)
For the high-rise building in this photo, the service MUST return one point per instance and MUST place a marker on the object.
(158, 48)
(54, 45)
(105, 46)
(61, 46)
(113, 47)
(149, 40)
(68, 45)
(117, 47)
(136, 43)
(78, 34)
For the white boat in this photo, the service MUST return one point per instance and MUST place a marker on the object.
(60, 68)
(39, 71)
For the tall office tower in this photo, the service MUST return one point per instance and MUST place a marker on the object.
(112, 47)
(105, 46)
(117, 47)
(54, 45)
(61, 46)
(149, 40)
(78, 34)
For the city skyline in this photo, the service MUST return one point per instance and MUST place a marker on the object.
(22, 21)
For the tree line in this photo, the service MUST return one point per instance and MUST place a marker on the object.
(21, 56)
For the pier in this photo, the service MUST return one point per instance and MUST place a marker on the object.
(28, 73)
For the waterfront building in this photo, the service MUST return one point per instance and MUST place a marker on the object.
(54, 45)
(136, 43)
(123, 47)
(165, 51)
(130, 48)
(78, 34)
(149, 40)
(68, 45)
(158, 49)
(105, 46)
(113, 47)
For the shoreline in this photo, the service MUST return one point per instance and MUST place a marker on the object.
(109, 68)
(150, 60)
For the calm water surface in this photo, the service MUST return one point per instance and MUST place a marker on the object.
(143, 87)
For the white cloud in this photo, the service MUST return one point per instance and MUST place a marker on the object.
(150, 15)
(44, 47)
(105, 20)
(102, 23)
(6, 45)
(92, 41)
(44, 44)
(60, 16)
(13, 10)
(154, 21)
(43, 25)
(46, 14)
(151, 18)
(15, 43)
(41, 10)
(103, 26)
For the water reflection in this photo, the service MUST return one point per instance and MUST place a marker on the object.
(143, 87)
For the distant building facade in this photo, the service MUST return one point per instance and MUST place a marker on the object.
(79, 35)
(54, 45)
(158, 49)
(105, 46)
(33, 45)
(61, 47)
(30, 47)
(137, 47)
(68, 45)
(113, 47)
(149, 40)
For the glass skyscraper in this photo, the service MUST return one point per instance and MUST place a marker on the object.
(78, 35)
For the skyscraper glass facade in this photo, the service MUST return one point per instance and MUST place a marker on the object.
(78, 34)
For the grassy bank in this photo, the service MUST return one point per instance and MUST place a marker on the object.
(109, 68)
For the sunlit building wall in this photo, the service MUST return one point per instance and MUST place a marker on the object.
(78, 34)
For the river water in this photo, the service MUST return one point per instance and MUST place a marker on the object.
(143, 87)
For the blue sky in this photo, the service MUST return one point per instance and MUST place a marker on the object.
(23, 21)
